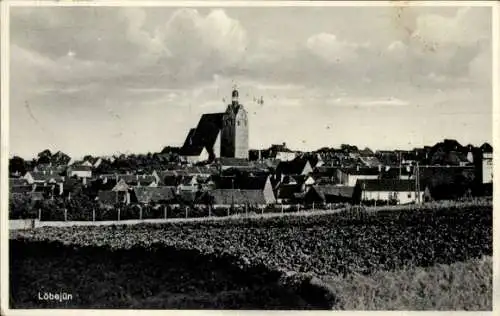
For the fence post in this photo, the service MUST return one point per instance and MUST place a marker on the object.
(330, 206)
(209, 210)
(313, 206)
(186, 212)
(140, 212)
(165, 211)
(282, 209)
(40, 214)
(228, 211)
(118, 214)
(93, 214)
(65, 215)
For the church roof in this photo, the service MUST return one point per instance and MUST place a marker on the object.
(203, 136)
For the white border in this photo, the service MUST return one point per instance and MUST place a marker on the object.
(6, 4)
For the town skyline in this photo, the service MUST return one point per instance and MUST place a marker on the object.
(80, 86)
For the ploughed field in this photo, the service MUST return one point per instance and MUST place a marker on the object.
(278, 262)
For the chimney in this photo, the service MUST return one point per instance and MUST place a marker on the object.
(284, 145)
(357, 167)
(260, 155)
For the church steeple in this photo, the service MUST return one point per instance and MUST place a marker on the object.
(235, 96)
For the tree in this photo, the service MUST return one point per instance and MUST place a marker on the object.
(60, 158)
(17, 165)
(44, 156)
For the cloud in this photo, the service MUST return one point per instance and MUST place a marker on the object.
(330, 49)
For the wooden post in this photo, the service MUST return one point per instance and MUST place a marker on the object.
(228, 211)
(313, 206)
(209, 211)
(40, 214)
(165, 211)
(282, 210)
(330, 206)
(186, 212)
(93, 214)
(140, 212)
(246, 209)
(65, 215)
(118, 213)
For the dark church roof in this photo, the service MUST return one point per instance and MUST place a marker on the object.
(203, 136)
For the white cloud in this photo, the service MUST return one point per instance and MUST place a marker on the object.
(332, 50)
(463, 28)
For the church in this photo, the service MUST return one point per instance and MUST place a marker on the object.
(222, 134)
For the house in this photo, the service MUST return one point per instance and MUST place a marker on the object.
(80, 171)
(388, 190)
(148, 195)
(188, 183)
(289, 193)
(302, 180)
(121, 192)
(329, 194)
(349, 176)
(138, 180)
(298, 166)
(402, 173)
(33, 177)
(326, 175)
(281, 152)
(487, 167)
(369, 161)
(87, 163)
(247, 190)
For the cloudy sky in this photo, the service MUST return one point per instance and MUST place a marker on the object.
(107, 80)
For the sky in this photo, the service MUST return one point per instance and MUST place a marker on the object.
(107, 80)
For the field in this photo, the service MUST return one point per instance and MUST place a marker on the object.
(301, 262)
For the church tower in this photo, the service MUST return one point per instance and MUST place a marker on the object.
(234, 136)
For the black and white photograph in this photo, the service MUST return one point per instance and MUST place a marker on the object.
(258, 155)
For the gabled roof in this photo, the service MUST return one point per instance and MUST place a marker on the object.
(388, 185)
(244, 183)
(128, 178)
(333, 190)
(203, 136)
(287, 191)
(40, 176)
(486, 148)
(154, 194)
(186, 180)
(369, 161)
(325, 171)
(361, 171)
(295, 166)
(80, 168)
(120, 186)
(227, 197)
